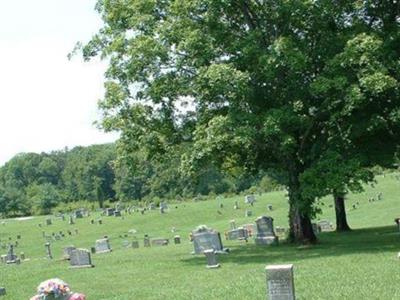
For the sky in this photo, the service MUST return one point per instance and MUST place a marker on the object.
(46, 101)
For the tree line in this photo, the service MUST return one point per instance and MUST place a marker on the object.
(32, 183)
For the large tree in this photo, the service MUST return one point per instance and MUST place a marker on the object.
(253, 83)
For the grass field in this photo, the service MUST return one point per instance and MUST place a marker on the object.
(361, 264)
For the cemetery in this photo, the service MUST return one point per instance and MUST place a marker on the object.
(359, 264)
(200, 149)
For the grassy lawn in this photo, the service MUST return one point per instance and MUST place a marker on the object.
(361, 264)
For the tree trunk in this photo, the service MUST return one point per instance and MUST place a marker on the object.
(301, 230)
(340, 210)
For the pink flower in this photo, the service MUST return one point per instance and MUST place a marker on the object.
(77, 296)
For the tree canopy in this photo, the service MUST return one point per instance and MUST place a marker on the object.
(274, 85)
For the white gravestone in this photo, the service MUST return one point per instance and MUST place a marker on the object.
(280, 283)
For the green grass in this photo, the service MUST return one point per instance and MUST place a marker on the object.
(361, 264)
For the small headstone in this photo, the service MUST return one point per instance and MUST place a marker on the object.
(135, 244)
(100, 222)
(146, 241)
(269, 207)
(22, 255)
(250, 199)
(117, 213)
(177, 239)
(236, 206)
(211, 259)
(280, 283)
(324, 226)
(265, 231)
(280, 230)
(159, 242)
(237, 234)
(251, 229)
(2, 291)
(80, 258)
(232, 224)
(48, 251)
(48, 222)
(92, 221)
(18, 237)
(103, 246)
(93, 250)
(248, 213)
(71, 220)
(11, 258)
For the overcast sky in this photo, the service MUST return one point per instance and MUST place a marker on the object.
(46, 101)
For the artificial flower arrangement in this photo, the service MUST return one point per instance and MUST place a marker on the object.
(56, 289)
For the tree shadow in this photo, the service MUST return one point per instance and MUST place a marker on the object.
(365, 240)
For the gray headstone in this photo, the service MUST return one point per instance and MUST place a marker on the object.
(117, 213)
(248, 213)
(159, 242)
(324, 226)
(265, 231)
(280, 283)
(135, 244)
(249, 199)
(67, 252)
(103, 246)
(237, 234)
(208, 239)
(48, 251)
(212, 262)
(2, 291)
(80, 258)
(48, 222)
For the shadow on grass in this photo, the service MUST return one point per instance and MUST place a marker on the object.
(366, 240)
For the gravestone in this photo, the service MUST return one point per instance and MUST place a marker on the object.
(100, 222)
(117, 213)
(211, 259)
(152, 206)
(280, 230)
(48, 222)
(159, 242)
(48, 251)
(71, 220)
(248, 213)
(265, 231)
(237, 234)
(280, 283)
(146, 241)
(11, 258)
(177, 239)
(251, 229)
(78, 214)
(80, 258)
(126, 244)
(2, 291)
(236, 206)
(135, 244)
(324, 226)
(67, 252)
(249, 199)
(232, 224)
(110, 212)
(22, 255)
(103, 246)
(269, 207)
(205, 238)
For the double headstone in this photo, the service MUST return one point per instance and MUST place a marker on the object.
(265, 231)
(280, 283)
(103, 246)
(80, 258)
